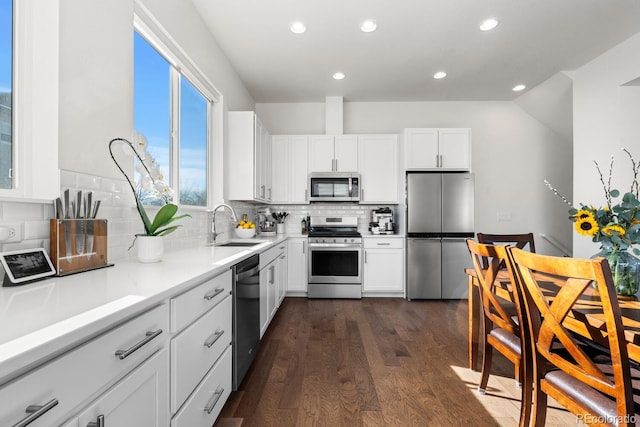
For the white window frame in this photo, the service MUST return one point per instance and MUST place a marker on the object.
(154, 33)
(36, 176)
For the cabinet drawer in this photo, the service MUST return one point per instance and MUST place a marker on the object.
(197, 348)
(204, 406)
(190, 305)
(76, 376)
(270, 254)
(383, 242)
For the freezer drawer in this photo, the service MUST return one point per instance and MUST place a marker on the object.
(455, 258)
(424, 269)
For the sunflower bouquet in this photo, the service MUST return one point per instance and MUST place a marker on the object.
(616, 226)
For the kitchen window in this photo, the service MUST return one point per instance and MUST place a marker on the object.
(174, 114)
(6, 88)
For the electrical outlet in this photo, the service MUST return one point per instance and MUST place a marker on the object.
(11, 231)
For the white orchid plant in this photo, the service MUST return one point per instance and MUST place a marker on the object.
(151, 183)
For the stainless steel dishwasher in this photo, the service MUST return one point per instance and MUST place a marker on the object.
(246, 316)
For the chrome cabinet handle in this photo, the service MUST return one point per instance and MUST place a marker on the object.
(216, 396)
(336, 165)
(304, 245)
(306, 196)
(123, 354)
(383, 244)
(215, 337)
(35, 412)
(365, 257)
(212, 295)
(98, 423)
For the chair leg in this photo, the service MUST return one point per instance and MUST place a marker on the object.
(526, 397)
(539, 410)
(487, 355)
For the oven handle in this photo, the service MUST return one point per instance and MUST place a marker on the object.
(334, 245)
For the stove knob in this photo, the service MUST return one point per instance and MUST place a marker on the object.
(335, 240)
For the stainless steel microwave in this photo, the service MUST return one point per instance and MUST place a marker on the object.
(334, 187)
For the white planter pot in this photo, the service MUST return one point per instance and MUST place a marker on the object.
(150, 248)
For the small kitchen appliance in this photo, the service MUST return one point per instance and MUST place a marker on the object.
(382, 221)
(334, 187)
(266, 224)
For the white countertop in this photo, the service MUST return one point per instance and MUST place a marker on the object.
(43, 319)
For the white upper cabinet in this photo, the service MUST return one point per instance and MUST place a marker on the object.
(289, 169)
(433, 148)
(248, 158)
(378, 167)
(333, 153)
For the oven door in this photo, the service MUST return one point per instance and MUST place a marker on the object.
(335, 263)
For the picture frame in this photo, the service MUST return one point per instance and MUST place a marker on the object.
(26, 265)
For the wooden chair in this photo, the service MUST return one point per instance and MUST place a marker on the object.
(520, 241)
(593, 387)
(501, 318)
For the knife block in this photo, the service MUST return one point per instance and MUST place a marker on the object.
(71, 248)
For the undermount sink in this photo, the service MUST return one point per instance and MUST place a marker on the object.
(238, 244)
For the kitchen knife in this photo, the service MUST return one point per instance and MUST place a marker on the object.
(66, 204)
(80, 224)
(90, 224)
(59, 209)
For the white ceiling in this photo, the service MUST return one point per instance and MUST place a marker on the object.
(415, 38)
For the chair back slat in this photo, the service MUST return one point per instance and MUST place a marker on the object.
(548, 317)
(492, 304)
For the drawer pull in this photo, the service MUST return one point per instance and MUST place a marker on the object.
(215, 293)
(123, 354)
(215, 337)
(216, 396)
(383, 244)
(98, 423)
(35, 412)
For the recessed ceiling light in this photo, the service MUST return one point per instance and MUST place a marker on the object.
(488, 24)
(338, 76)
(440, 75)
(297, 27)
(368, 26)
(518, 88)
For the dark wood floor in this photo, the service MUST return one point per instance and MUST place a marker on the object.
(373, 362)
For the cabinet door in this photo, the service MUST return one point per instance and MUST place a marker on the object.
(321, 154)
(282, 274)
(383, 270)
(259, 186)
(378, 158)
(297, 265)
(299, 170)
(265, 160)
(346, 153)
(280, 165)
(264, 300)
(420, 148)
(140, 399)
(455, 148)
(273, 289)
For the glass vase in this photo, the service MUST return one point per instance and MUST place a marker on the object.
(625, 269)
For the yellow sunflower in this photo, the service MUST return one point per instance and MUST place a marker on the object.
(610, 228)
(587, 225)
(584, 214)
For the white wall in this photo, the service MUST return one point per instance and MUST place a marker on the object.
(512, 154)
(600, 129)
(96, 73)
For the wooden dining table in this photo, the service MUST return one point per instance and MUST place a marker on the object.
(586, 319)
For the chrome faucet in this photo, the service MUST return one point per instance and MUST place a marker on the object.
(234, 217)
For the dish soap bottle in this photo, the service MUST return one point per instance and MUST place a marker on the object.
(303, 226)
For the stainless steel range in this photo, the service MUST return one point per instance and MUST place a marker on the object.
(335, 258)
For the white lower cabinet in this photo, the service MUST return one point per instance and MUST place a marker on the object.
(282, 273)
(297, 266)
(201, 346)
(383, 264)
(66, 383)
(205, 403)
(138, 400)
(269, 284)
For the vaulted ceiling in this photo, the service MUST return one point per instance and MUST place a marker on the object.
(535, 39)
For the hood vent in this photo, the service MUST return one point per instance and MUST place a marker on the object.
(333, 115)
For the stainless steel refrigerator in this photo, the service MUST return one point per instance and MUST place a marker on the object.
(439, 220)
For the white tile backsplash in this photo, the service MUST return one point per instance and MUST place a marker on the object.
(118, 208)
